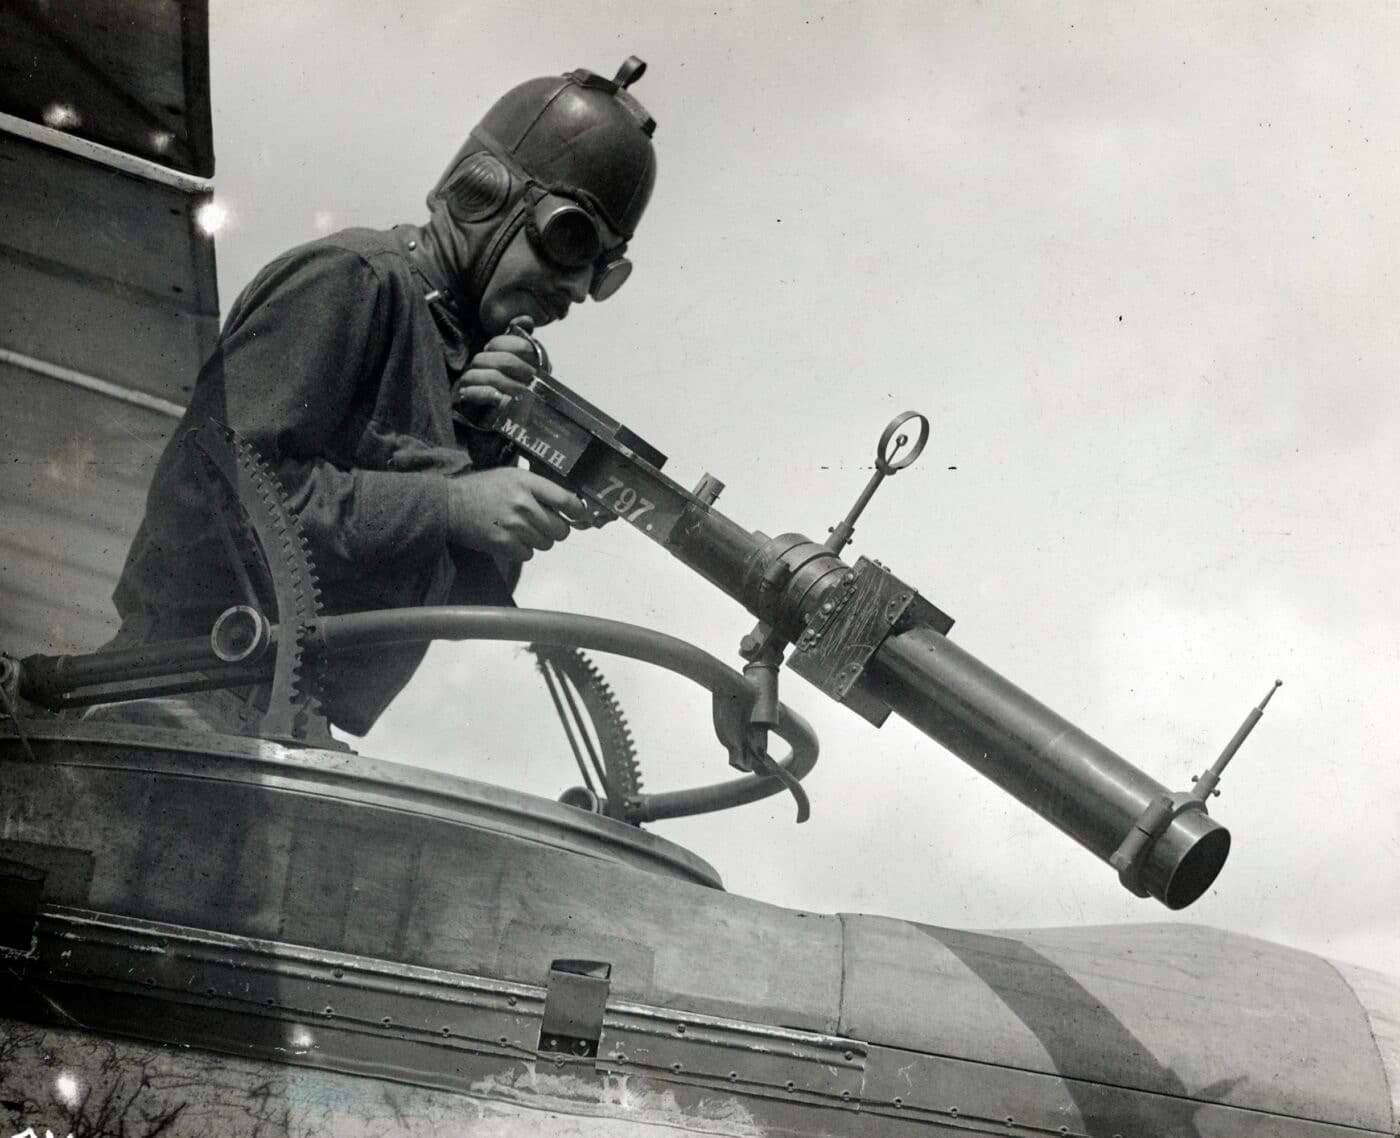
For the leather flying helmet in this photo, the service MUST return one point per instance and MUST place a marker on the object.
(571, 158)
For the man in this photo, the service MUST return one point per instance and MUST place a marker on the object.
(340, 363)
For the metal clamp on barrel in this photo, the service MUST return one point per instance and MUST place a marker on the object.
(856, 613)
(1131, 856)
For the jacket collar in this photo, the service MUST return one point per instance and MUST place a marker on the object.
(460, 340)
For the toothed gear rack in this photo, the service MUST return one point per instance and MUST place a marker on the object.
(578, 689)
(247, 498)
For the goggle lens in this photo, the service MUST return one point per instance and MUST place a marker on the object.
(569, 236)
(609, 277)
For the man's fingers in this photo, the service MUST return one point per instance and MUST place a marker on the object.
(515, 345)
(482, 391)
(479, 397)
(563, 501)
(508, 365)
(541, 519)
(578, 512)
(554, 528)
(516, 542)
(573, 506)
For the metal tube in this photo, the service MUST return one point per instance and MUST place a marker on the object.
(547, 671)
(720, 550)
(45, 678)
(358, 630)
(1040, 758)
(449, 622)
(580, 725)
(229, 676)
(1206, 784)
(737, 791)
(842, 531)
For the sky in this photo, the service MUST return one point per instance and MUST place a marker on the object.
(1135, 263)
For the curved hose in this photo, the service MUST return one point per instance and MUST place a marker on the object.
(463, 622)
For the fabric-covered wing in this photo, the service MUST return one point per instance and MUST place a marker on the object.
(109, 295)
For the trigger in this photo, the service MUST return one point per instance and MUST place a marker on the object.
(731, 720)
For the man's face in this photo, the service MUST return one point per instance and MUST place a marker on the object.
(526, 283)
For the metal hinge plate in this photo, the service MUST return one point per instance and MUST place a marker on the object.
(575, 1000)
(21, 894)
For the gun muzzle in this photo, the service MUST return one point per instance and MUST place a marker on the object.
(1074, 782)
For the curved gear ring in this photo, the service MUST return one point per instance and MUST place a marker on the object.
(253, 502)
(621, 773)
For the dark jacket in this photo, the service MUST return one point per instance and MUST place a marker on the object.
(335, 367)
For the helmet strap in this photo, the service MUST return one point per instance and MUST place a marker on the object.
(485, 266)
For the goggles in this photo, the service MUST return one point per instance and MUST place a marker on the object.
(569, 236)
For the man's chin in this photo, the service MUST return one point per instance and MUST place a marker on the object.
(498, 324)
(497, 319)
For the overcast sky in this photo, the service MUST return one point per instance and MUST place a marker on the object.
(1135, 261)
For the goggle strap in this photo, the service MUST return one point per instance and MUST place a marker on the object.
(491, 255)
(563, 189)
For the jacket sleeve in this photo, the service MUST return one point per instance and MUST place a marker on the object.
(299, 356)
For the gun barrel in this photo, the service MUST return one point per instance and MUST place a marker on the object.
(1074, 782)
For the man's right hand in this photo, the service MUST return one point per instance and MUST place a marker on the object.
(501, 369)
(511, 512)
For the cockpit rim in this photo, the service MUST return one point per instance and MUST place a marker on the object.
(371, 781)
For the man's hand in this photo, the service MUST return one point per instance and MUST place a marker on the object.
(495, 373)
(511, 511)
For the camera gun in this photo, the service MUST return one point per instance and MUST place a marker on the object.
(867, 639)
